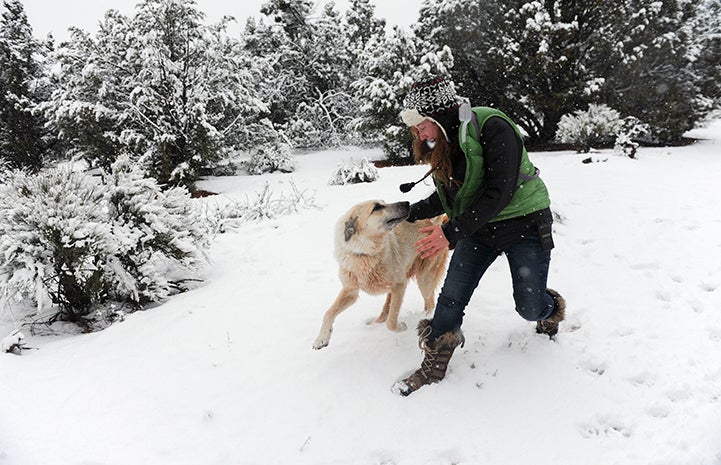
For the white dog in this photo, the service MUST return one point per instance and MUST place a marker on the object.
(375, 253)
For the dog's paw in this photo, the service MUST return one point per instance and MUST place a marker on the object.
(321, 341)
(319, 344)
(376, 321)
(399, 327)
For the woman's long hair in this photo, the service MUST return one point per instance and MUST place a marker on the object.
(439, 157)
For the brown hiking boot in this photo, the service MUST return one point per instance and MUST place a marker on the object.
(549, 326)
(437, 354)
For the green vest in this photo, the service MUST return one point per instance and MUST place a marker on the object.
(531, 194)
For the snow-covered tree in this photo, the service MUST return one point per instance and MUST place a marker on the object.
(278, 42)
(24, 141)
(321, 119)
(659, 80)
(387, 68)
(292, 15)
(546, 58)
(361, 25)
(538, 60)
(309, 66)
(632, 130)
(465, 28)
(173, 93)
(707, 50)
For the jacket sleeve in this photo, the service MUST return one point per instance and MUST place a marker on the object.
(502, 153)
(426, 208)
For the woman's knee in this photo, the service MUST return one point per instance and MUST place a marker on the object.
(533, 305)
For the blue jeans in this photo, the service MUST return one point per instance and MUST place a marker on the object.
(529, 269)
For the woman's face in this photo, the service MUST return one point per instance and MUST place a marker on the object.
(428, 131)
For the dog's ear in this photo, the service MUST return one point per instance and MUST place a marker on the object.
(351, 227)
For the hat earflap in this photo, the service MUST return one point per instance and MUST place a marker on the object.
(413, 118)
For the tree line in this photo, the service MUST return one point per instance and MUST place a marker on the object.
(178, 96)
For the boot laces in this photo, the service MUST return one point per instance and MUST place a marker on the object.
(428, 361)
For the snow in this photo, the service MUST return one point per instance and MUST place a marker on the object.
(225, 373)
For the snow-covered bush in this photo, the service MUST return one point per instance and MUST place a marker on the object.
(265, 205)
(13, 343)
(270, 152)
(630, 132)
(156, 231)
(351, 172)
(53, 237)
(596, 126)
(79, 242)
(270, 157)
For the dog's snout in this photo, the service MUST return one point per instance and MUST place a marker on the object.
(402, 208)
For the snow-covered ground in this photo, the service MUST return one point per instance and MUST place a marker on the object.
(225, 374)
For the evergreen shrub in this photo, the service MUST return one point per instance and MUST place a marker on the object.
(81, 241)
(597, 126)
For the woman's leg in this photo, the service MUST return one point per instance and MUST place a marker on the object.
(469, 262)
(529, 270)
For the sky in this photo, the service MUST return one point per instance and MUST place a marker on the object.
(47, 16)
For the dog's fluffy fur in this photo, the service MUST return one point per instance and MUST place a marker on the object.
(375, 253)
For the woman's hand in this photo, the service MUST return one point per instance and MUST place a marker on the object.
(433, 244)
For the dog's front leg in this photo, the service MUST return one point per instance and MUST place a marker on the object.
(384, 312)
(345, 299)
(397, 293)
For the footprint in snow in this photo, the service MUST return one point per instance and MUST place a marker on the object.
(678, 395)
(605, 427)
(664, 295)
(714, 334)
(593, 367)
(708, 286)
(645, 266)
(659, 410)
(643, 379)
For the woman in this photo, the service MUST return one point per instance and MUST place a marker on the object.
(496, 203)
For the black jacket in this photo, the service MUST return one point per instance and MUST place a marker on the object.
(502, 152)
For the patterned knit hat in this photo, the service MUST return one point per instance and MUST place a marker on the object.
(431, 99)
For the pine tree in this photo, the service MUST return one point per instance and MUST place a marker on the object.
(707, 44)
(666, 75)
(24, 141)
(387, 68)
(173, 93)
(321, 119)
(464, 27)
(292, 15)
(361, 26)
(535, 60)
(90, 106)
(284, 82)
(310, 67)
(538, 60)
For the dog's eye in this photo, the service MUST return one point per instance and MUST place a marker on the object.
(378, 206)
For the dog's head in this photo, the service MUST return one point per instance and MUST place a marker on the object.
(362, 229)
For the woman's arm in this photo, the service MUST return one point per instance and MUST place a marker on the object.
(502, 154)
(426, 208)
